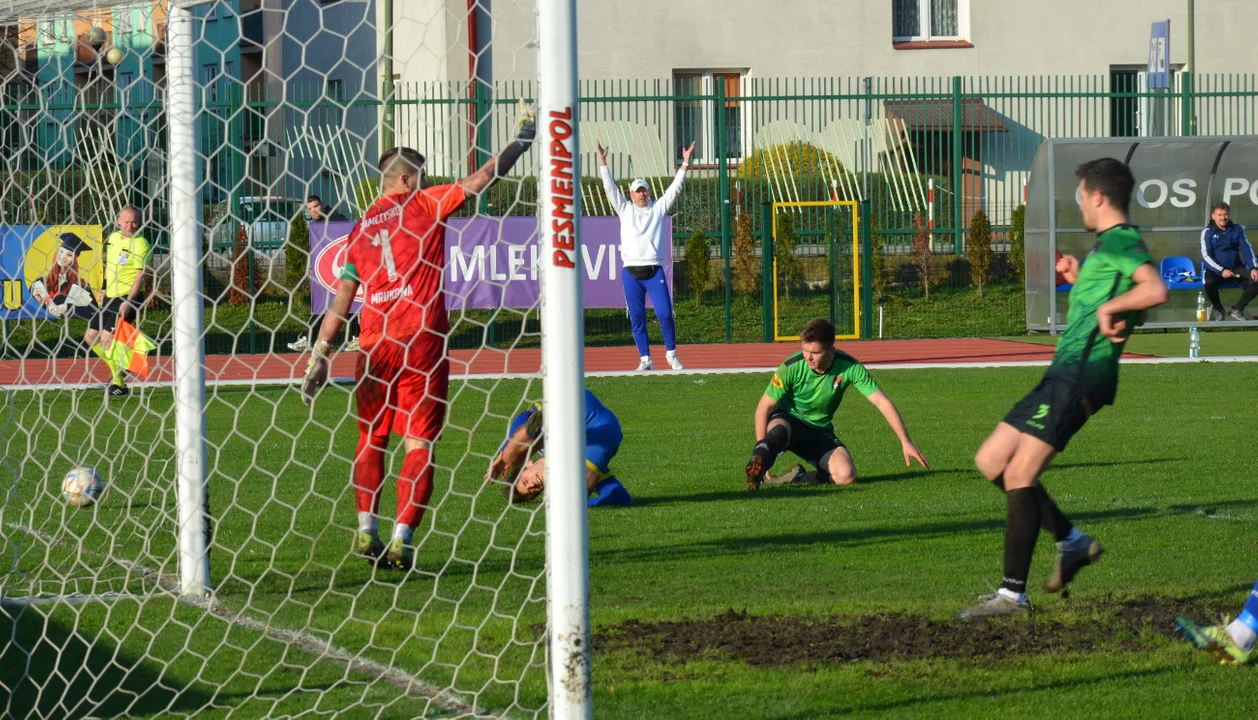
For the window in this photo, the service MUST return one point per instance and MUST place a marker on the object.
(209, 80)
(122, 22)
(698, 116)
(929, 20)
(52, 30)
(336, 89)
(212, 13)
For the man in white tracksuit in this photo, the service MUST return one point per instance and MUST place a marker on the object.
(641, 247)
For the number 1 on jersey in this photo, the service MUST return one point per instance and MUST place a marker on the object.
(386, 252)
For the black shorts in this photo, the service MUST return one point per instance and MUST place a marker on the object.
(809, 442)
(106, 319)
(1053, 412)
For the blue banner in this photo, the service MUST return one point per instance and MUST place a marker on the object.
(1159, 70)
(44, 277)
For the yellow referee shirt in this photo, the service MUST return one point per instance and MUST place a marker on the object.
(124, 261)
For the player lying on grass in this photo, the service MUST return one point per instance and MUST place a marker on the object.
(526, 476)
(1232, 643)
(797, 410)
(397, 254)
(1111, 290)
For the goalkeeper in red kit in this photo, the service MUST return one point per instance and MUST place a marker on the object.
(397, 254)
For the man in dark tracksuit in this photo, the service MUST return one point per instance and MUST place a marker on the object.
(1227, 256)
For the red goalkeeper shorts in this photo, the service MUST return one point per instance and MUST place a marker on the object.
(403, 387)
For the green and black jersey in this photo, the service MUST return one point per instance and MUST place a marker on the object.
(813, 397)
(1084, 356)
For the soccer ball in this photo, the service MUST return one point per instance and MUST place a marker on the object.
(82, 486)
(114, 56)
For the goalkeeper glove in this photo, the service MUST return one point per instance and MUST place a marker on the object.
(527, 123)
(316, 372)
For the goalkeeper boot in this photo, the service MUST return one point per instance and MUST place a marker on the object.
(399, 555)
(1080, 554)
(1214, 639)
(368, 546)
(996, 605)
(755, 473)
(352, 345)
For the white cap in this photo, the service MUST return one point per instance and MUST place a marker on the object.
(638, 184)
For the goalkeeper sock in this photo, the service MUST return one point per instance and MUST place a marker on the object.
(414, 487)
(369, 473)
(1022, 526)
(367, 523)
(773, 444)
(404, 533)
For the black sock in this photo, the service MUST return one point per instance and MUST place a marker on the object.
(773, 444)
(1022, 526)
(1052, 518)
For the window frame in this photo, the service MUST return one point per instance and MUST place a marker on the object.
(705, 151)
(924, 17)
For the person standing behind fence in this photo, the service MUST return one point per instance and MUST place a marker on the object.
(126, 255)
(641, 247)
(1227, 256)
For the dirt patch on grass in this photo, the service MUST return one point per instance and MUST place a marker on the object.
(770, 641)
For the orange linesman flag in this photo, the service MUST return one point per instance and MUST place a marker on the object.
(131, 349)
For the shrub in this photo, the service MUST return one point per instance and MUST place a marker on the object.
(793, 159)
(1017, 242)
(297, 256)
(746, 270)
(789, 268)
(697, 265)
(923, 255)
(978, 248)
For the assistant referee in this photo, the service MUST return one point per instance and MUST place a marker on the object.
(126, 257)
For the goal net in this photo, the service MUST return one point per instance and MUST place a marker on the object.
(217, 570)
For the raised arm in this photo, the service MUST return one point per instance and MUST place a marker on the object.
(499, 165)
(674, 189)
(513, 454)
(892, 415)
(614, 198)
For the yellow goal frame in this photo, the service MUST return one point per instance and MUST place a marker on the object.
(856, 265)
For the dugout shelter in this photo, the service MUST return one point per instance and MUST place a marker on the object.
(1177, 180)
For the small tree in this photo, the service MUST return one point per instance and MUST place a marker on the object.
(697, 265)
(978, 247)
(1017, 242)
(241, 291)
(745, 268)
(877, 259)
(297, 256)
(792, 159)
(790, 269)
(923, 255)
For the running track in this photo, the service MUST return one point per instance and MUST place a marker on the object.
(278, 368)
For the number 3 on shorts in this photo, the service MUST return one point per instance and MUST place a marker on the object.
(1043, 413)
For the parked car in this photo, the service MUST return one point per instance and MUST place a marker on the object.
(265, 219)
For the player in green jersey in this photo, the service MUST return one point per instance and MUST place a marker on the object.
(798, 406)
(1113, 288)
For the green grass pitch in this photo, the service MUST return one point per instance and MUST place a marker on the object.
(850, 594)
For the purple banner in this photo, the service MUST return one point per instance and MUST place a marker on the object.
(494, 262)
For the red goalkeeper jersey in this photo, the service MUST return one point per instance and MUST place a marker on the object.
(397, 253)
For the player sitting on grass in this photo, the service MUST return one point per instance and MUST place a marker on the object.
(1233, 643)
(798, 407)
(1111, 291)
(526, 480)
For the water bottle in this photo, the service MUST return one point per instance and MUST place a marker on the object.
(1194, 343)
(1201, 307)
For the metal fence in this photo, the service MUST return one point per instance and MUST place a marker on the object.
(934, 150)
